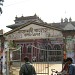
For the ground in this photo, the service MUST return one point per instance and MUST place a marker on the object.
(40, 68)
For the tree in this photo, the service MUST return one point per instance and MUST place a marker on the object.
(1, 0)
(1, 3)
(0, 10)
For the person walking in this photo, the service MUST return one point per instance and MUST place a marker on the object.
(71, 69)
(27, 68)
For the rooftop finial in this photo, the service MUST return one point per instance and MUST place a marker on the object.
(35, 14)
(61, 20)
(22, 15)
(16, 17)
(70, 19)
(65, 20)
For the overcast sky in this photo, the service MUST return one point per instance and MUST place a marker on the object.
(48, 10)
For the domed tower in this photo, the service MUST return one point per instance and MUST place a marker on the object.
(65, 20)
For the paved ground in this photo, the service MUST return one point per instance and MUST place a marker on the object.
(41, 69)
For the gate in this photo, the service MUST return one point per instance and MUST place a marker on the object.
(42, 68)
(16, 59)
(43, 59)
(11, 61)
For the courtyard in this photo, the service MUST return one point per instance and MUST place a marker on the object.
(41, 69)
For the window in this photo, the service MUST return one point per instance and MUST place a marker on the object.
(49, 47)
(57, 47)
(29, 49)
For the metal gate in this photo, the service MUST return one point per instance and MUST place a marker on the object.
(16, 59)
(44, 59)
(42, 68)
(11, 61)
(42, 64)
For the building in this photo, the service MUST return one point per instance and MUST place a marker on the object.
(38, 40)
(68, 31)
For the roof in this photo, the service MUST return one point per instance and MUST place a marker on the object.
(32, 22)
(23, 20)
(61, 25)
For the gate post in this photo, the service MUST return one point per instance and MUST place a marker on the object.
(7, 62)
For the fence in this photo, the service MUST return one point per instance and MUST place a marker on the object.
(46, 58)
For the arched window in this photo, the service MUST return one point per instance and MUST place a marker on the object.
(49, 47)
(57, 47)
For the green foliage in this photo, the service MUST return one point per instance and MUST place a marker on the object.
(12, 44)
(1, 3)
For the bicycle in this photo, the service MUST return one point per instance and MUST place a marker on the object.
(55, 72)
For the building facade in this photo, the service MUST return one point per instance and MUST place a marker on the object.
(68, 31)
(38, 40)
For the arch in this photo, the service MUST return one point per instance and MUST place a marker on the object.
(57, 47)
(48, 47)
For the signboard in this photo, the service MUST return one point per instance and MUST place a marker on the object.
(33, 32)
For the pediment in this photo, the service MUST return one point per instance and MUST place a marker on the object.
(33, 31)
(69, 26)
(32, 26)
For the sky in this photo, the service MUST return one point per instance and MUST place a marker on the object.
(48, 10)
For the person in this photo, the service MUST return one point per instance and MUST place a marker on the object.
(65, 69)
(1, 66)
(71, 66)
(27, 68)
